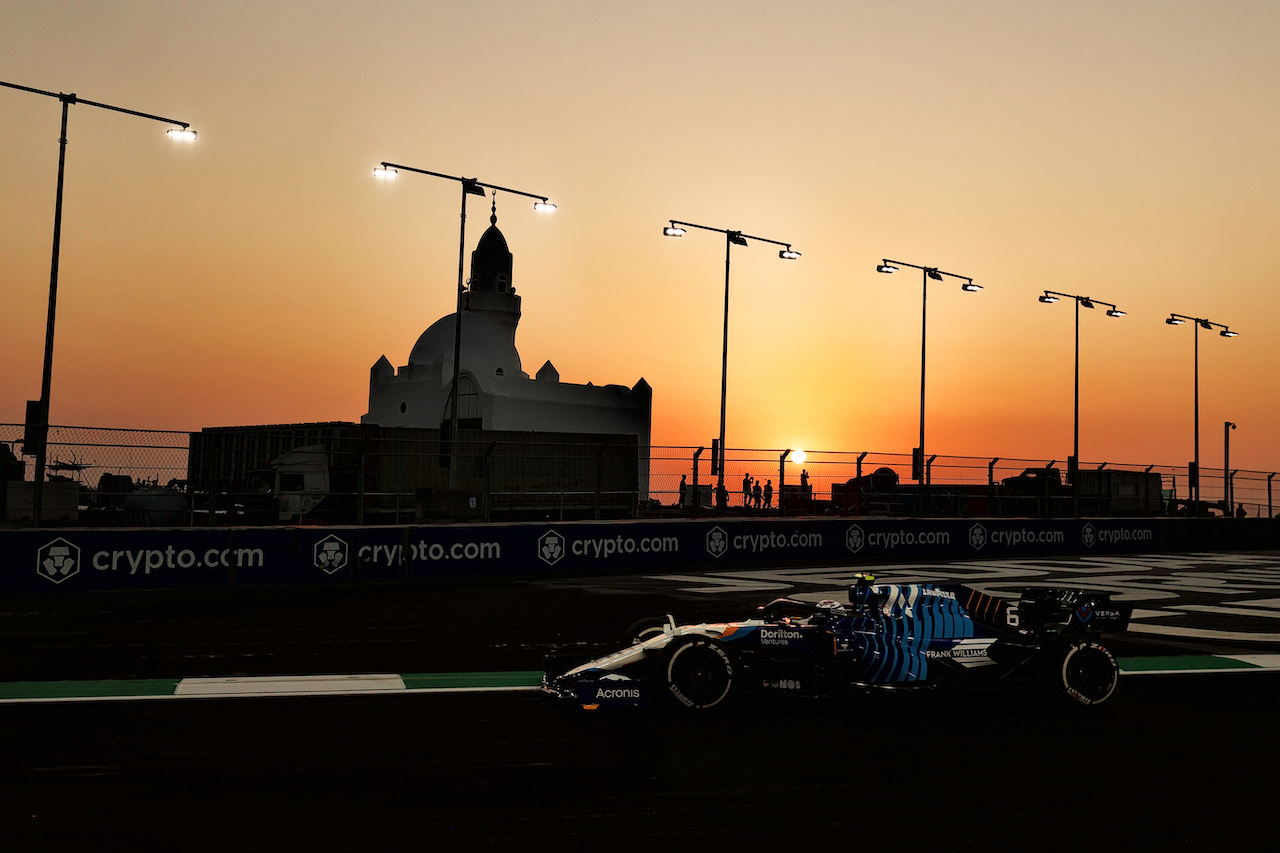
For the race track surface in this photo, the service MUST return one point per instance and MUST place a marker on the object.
(1176, 762)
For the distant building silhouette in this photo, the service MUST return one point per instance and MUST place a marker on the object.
(494, 391)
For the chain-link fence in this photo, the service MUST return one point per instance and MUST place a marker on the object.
(358, 474)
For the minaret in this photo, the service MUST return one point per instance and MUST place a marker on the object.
(490, 292)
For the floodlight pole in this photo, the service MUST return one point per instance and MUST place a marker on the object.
(917, 458)
(1178, 320)
(676, 229)
(1227, 498)
(41, 439)
(1073, 464)
(470, 186)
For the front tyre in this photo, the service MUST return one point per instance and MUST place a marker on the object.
(1084, 674)
(698, 674)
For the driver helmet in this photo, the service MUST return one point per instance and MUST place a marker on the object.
(832, 607)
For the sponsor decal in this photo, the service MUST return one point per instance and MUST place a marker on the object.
(779, 636)
(854, 538)
(607, 693)
(550, 547)
(330, 554)
(977, 536)
(717, 542)
(937, 593)
(781, 684)
(58, 560)
(1084, 612)
(957, 653)
(1088, 535)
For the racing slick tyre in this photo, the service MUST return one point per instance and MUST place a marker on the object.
(1083, 674)
(698, 674)
(644, 629)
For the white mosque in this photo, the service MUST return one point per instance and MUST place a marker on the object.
(494, 391)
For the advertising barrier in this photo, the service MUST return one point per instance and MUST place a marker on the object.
(71, 560)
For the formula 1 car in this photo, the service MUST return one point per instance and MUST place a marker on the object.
(889, 636)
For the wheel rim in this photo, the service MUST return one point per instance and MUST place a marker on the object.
(1089, 674)
(699, 675)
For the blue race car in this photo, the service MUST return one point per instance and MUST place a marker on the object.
(888, 636)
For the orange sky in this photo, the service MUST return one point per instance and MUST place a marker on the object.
(1122, 151)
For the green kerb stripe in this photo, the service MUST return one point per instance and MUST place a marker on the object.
(448, 680)
(1182, 663)
(78, 689)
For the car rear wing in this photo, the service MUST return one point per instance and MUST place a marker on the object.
(1048, 612)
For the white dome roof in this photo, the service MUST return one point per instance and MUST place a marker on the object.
(487, 346)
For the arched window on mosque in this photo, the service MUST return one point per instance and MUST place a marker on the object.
(469, 416)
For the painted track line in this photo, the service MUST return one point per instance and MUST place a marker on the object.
(460, 682)
(269, 686)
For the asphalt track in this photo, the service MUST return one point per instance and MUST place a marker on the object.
(1179, 762)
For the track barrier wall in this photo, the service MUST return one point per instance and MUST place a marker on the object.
(53, 560)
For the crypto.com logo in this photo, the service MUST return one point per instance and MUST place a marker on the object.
(330, 554)
(58, 560)
(854, 538)
(717, 542)
(977, 536)
(550, 547)
(1088, 536)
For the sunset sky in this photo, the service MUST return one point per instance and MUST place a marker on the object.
(1126, 151)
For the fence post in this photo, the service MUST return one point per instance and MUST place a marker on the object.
(991, 487)
(693, 503)
(1269, 477)
(782, 478)
(858, 497)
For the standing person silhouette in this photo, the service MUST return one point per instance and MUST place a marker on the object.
(768, 494)
(684, 488)
(746, 490)
(755, 494)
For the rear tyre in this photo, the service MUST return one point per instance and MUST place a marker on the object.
(698, 674)
(1083, 674)
(645, 629)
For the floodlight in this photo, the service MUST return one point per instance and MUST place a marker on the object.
(886, 268)
(673, 231)
(1048, 300)
(789, 254)
(182, 134)
(543, 206)
(385, 173)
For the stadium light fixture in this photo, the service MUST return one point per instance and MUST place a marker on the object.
(182, 132)
(1073, 461)
(918, 472)
(1198, 324)
(732, 238)
(470, 186)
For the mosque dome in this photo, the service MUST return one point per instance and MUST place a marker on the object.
(488, 346)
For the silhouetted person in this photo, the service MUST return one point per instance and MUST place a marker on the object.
(684, 488)
(746, 490)
(1240, 511)
(804, 479)
(768, 494)
(755, 494)
(722, 496)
